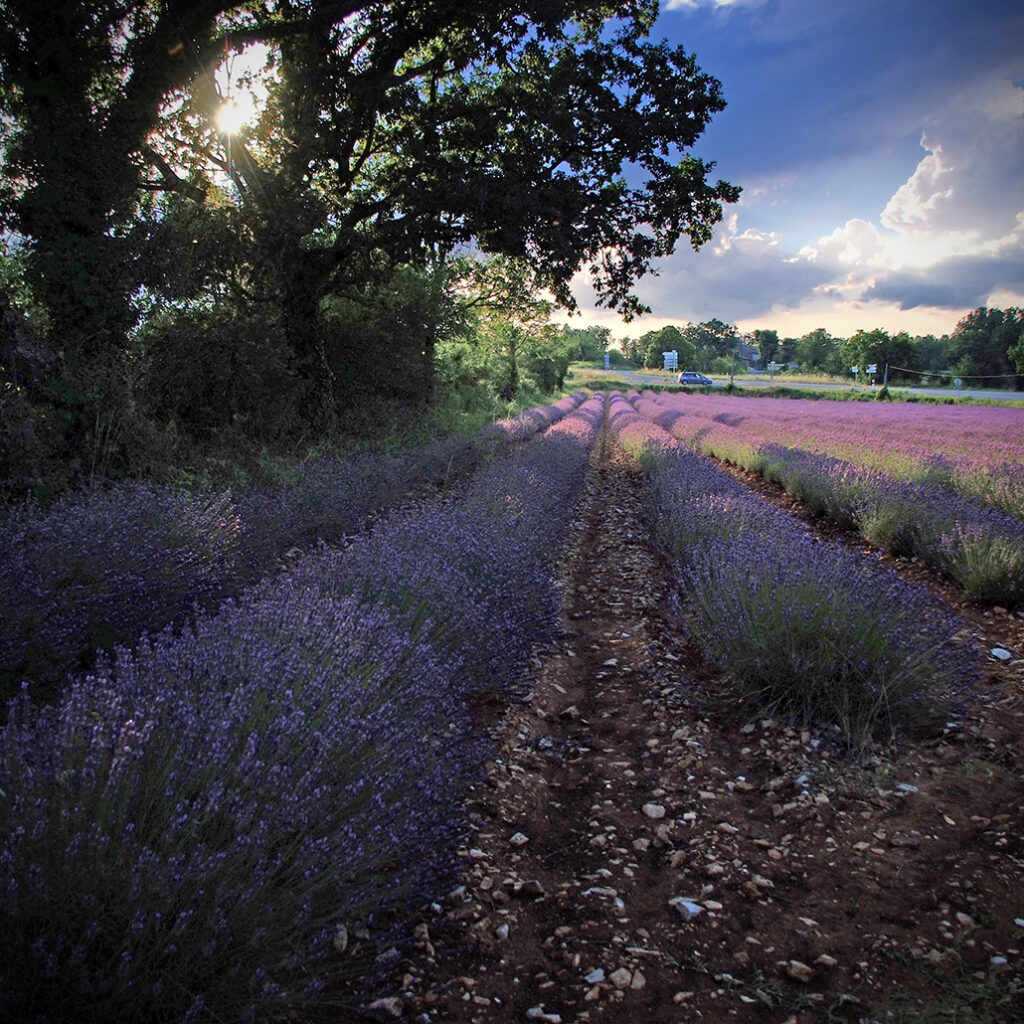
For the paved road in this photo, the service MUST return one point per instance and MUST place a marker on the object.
(647, 377)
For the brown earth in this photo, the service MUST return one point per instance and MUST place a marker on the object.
(642, 853)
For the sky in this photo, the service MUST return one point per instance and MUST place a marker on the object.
(880, 148)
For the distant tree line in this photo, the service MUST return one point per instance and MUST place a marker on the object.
(986, 348)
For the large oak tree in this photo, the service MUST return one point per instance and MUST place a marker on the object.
(554, 131)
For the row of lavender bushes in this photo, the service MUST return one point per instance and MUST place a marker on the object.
(234, 821)
(800, 626)
(977, 546)
(974, 450)
(100, 567)
(980, 548)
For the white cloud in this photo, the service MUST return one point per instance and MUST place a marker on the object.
(918, 201)
(972, 181)
(858, 243)
(953, 234)
(739, 274)
(730, 236)
(948, 239)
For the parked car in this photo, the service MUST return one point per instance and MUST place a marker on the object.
(697, 379)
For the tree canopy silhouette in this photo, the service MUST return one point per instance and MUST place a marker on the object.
(389, 133)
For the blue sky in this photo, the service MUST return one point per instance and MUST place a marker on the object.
(880, 146)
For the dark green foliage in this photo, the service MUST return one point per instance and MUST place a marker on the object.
(28, 459)
(207, 373)
(879, 349)
(392, 132)
(586, 344)
(388, 360)
(982, 343)
(767, 343)
(506, 338)
(668, 339)
(549, 371)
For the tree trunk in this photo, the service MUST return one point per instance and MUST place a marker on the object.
(303, 329)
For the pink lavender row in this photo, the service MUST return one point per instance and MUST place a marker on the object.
(100, 567)
(528, 422)
(978, 547)
(801, 628)
(237, 821)
(977, 451)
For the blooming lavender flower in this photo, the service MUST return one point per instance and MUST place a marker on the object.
(186, 829)
(530, 421)
(978, 546)
(810, 630)
(97, 568)
(969, 449)
(799, 626)
(100, 567)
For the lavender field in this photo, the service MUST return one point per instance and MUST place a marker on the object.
(100, 567)
(797, 625)
(949, 492)
(225, 769)
(194, 825)
(973, 450)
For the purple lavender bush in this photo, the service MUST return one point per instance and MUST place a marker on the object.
(334, 497)
(188, 832)
(979, 547)
(530, 421)
(799, 626)
(482, 564)
(987, 563)
(191, 832)
(98, 568)
(478, 585)
(328, 499)
(810, 630)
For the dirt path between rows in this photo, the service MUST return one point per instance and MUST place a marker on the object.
(642, 854)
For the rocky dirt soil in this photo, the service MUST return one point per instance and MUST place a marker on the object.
(642, 853)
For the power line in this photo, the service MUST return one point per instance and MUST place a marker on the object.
(953, 373)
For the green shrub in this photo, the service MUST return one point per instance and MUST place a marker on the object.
(211, 372)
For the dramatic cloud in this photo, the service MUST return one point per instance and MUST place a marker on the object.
(953, 234)
(738, 275)
(957, 283)
(971, 183)
(881, 152)
(744, 272)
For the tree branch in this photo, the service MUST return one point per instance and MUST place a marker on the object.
(171, 181)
